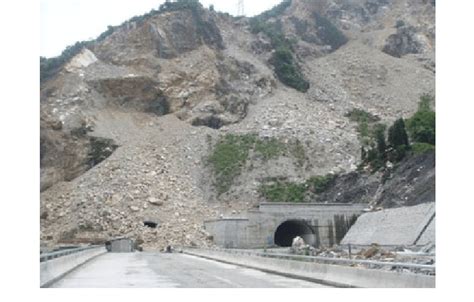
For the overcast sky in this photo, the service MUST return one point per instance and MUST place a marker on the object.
(64, 22)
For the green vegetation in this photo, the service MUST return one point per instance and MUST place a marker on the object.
(282, 191)
(421, 148)
(276, 11)
(360, 116)
(319, 184)
(422, 125)
(286, 68)
(179, 5)
(228, 158)
(377, 150)
(398, 140)
(269, 148)
(364, 122)
(50, 66)
(296, 149)
(231, 153)
(328, 33)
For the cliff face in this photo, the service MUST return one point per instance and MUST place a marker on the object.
(129, 123)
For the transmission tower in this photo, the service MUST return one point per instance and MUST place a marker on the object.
(240, 8)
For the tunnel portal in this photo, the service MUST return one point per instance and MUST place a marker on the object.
(289, 229)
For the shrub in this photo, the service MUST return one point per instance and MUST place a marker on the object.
(397, 135)
(276, 11)
(296, 192)
(228, 158)
(328, 33)
(287, 70)
(319, 184)
(50, 66)
(284, 192)
(422, 125)
(232, 151)
(398, 140)
(422, 148)
(283, 61)
(359, 115)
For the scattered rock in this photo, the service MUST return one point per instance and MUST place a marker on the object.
(155, 201)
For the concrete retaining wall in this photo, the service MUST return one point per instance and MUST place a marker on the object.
(400, 226)
(229, 233)
(52, 270)
(335, 275)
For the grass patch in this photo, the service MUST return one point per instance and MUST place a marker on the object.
(319, 184)
(229, 157)
(359, 116)
(282, 191)
(269, 148)
(231, 153)
(422, 148)
(298, 152)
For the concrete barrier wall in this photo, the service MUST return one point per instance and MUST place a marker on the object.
(52, 270)
(399, 226)
(336, 275)
(229, 233)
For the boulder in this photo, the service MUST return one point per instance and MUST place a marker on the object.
(155, 201)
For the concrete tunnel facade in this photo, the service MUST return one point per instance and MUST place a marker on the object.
(289, 229)
(276, 224)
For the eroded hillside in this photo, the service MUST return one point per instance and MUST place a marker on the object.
(130, 125)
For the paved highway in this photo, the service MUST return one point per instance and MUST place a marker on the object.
(154, 270)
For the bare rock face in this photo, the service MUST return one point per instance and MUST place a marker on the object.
(133, 92)
(129, 123)
(166, 35)
(405, 41)
(64, 156)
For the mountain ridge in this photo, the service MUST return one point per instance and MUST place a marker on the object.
(149, 101)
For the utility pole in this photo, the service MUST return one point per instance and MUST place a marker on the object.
(240, 8)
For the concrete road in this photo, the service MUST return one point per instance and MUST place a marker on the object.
(153, 270)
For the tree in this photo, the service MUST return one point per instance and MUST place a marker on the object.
(422, 126)
(398, 140)
(379, 135)
(397, 135)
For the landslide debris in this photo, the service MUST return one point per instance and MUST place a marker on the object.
(165, 87)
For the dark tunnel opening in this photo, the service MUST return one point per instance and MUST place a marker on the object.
(288, 230)
(150, 224)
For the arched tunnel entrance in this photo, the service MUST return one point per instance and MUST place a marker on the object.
(289, 229)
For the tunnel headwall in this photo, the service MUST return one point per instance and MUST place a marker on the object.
(275, 224)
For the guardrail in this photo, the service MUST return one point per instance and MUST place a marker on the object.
(54, 265)
(342, 261)
(53, 255)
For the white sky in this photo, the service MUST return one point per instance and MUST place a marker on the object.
(64, 22)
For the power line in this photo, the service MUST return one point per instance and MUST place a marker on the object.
(240, 8)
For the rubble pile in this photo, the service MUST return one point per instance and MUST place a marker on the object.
(424, 255)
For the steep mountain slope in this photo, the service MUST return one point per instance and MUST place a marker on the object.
(131, 122)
